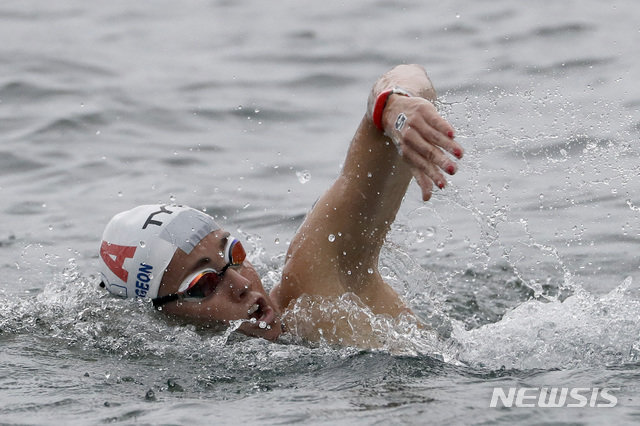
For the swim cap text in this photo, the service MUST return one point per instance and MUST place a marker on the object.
(143, 278)
(114, 256)
(151, 221)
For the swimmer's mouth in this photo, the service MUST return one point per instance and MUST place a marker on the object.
(260, 311)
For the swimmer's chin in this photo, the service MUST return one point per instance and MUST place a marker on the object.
(271, 332)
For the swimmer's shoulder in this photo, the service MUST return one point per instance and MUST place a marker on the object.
(309, 269)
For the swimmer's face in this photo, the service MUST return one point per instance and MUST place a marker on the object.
(238, 296)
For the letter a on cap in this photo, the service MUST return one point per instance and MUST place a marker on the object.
(121, 253)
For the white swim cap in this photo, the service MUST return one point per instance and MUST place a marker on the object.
(138, 244)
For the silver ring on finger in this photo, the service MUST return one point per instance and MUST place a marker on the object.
(400, 121)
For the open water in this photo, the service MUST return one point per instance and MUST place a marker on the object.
(528, 263)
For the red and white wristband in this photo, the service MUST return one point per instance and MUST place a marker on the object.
(381, 102)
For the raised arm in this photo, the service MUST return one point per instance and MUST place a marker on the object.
(337, 247)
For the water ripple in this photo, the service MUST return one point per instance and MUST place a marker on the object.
(11, 163)
(570, 65)
(22, 92)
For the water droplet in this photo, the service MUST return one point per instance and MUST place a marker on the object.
(370, 271)
(262, 324)
(150, 395)
(304, 176)
(253, 320)
(50, 227)
(172, 198)
(173, 386)
(277, 241)
(332, 238)
(143, 244)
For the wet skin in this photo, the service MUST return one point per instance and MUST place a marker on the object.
(235, 298)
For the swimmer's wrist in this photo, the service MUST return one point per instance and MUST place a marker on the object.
(376, 109)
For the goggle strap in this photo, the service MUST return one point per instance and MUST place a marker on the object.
(162, 300)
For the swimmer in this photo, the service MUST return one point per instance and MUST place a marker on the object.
(191, 268)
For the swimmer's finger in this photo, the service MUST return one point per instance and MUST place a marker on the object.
(425, 183)
(417, 163)
(415, 141)
(436, 130)
(438, 122)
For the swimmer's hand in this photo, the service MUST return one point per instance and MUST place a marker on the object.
(422, 137)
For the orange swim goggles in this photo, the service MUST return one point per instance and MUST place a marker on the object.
(202, 283)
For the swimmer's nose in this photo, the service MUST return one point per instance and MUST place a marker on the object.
(237, 283)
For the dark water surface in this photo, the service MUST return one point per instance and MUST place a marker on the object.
(528, 261)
